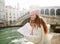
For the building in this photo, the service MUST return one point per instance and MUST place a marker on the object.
(50, 10)
(2, 12)
(23, 12)
(11, 14)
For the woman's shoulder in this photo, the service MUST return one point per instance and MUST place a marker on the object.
(27, 24)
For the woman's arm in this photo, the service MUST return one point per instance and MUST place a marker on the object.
(23, 29)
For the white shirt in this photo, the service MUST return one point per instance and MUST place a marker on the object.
(38, 34)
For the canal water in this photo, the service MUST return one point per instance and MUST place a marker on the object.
(11, 36)
(7, 35)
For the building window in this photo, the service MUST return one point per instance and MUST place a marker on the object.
(14, 14)
(14, 21)
(6, 14)
(10, 22)
(14, 17)
(58, 12)
(0, 15)
(6, 23)
(10, 13)
(10, 17)
(28, 12)
(52, 12)
(17, 14)
(42, 11)
(47, 11)
(3, 16)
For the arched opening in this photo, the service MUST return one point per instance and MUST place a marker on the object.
(58, 12)
(42, 11)
(47, 11)
(52, 12)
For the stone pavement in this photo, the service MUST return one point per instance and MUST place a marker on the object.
(55, 39)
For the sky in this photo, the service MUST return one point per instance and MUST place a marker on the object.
(27, 3)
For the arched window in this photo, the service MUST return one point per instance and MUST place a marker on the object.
(47, 11)
(52, 12)
(58, 12)
(42, 11)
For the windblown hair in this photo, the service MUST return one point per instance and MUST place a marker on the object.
(38, 22)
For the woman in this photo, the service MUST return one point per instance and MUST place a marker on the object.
(36, 30)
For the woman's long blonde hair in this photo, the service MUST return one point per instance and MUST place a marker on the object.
(38, 22)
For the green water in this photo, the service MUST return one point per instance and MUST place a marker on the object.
(9, 34)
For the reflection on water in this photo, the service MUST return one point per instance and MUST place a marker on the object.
(20, 41)
(7, 35)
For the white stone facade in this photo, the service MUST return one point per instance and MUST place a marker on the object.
(11, 14)
(2, 11)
